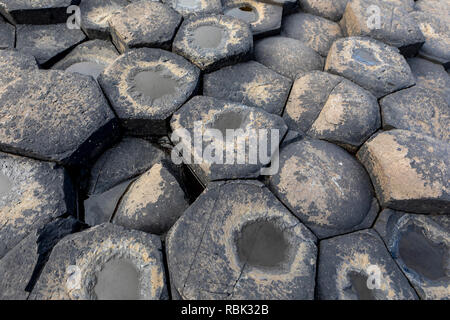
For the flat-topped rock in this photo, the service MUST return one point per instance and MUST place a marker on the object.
(14, 64)
(237, 241)
(433, 7)
(7, 35)
(145, 86)
(57, 116)
(192, 7)
(325, 187)
(249, 83)
(409, 171)
(373, 65)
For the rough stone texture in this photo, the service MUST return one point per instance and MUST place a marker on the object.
(420, 246)
(89, 251)
(409, 171)
(13, 64)
(250, 83)
(20, 267)
(47, 42)
(140, 113)
(373, 65)
(397, 27)
(287, 56)
(235, 44)
(95, 54)
(144, 24)
(36, 12)
(325, 187)
(204, 247)
(329, 107)
(316, 32)
(57, 116)
(153, 202)
(437, 37)
(217, 114)
(417, 109)
(346, 260)
(433, 7)
(189, 7)
(7, 35)
(32, 193)
(264, 18)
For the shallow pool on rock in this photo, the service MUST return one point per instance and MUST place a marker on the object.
(208, 36)
(154, 85)
(5, 184)
(88, 68)
(245, 13)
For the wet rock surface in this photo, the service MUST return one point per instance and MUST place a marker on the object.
(191, 7)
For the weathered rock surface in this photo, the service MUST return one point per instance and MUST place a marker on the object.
(357, 266)
(433, 7)
(325, 187)
(7, 34)
(190, 7)
(409, 171)
(238, 242)
(249, 83)
(373, 65)
(13, 65)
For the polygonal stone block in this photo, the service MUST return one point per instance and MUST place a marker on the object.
(32, 193)
(409, 171)
(332, 108)
(249, 83)
(420, 246)
(264, 18)
(190, 7)
(213, 41)
(316, 32)
(13, 64)
(211, 113)
(47, 43)
(357, 266)
(89, 58)
(56, 116)
(144, 24)
(145, 86)
(396, 27)
(417, 109)
(237, 241)
(7, 35)
(325, 187)
(287, 56)
(373, 65)
(433, 7)
(105, 262)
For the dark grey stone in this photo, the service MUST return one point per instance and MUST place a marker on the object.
(7, 35)
(188, 8)
(13, 64)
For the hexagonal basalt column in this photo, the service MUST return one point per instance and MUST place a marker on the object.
(57, 116)
(210, 113)
(145, 86)
(238, 242)
(213, 41)
(250, 83)
(264, 18)
(190, 7)
(325, 187)
(144, 24)
(420, 245)
(105, 262)
(410, 171)
(7, 35)
(373, 65)
(357, 266)
(13, 64)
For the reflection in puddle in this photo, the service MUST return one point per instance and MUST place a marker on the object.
(208, 36)
(359, 286)
(88, 68)
(228, 120)
(154, 85)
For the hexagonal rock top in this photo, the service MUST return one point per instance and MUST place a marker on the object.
(420, 246)
(105, 262)
(348, 263)
(373, 65)
(397, 28)
(7, 34)
(410, 171)
(287, 56)
(144, 24)
(32, 193)
(69, 122)
(145, 86)
(47, 42)
(316, 32)
(36, 12)
(213, 41)
(264, 18)
(325, 187)
(249, 83)
(236, 241)
(332, 108)
(189, 7)
(417, 109)
(13, 64)
(212, 113)
(89, 58)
